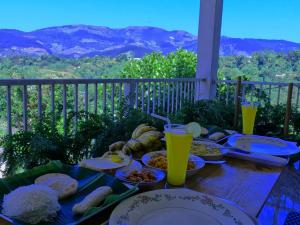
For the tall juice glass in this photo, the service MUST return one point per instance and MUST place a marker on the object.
(248, 113)
(178, 149)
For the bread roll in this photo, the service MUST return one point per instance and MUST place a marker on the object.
(62, 183)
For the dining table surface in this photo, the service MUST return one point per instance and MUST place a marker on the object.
(266, 193)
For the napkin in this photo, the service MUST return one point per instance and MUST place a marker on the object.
(259, 158)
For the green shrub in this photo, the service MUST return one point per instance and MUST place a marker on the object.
(94, 133)
(207, 113)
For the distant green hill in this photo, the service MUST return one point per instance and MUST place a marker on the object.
(55, 67)
(268, 66)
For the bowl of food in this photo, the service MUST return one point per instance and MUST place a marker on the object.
(140, 176)
(158, 160)
(208, 150)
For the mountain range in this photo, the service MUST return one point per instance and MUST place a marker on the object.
(86, 41)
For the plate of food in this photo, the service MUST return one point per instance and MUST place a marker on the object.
(263, 144)
(109, 161)
(141, 176)
(208, 150)
(58, 194)
(177, 207)
(158, 160)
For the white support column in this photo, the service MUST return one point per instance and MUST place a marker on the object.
(209, 35)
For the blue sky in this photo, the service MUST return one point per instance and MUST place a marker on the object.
(270, 19)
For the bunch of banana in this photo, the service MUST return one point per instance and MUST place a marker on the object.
(145, 138)
(140, 129)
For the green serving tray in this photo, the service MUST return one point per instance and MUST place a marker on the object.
(88, 181)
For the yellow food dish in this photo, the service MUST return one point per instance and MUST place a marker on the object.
(116, 159)
(160, 161)
(205, 150)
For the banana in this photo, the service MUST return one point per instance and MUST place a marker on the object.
(143, 128)
(137, 128)
(147, 138)
(127, 150)
(135, 145)
(116, 146)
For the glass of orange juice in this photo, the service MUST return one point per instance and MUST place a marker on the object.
(179, 143)
(248, 113)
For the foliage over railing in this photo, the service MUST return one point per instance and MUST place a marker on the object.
(90, 138)
(94, 133)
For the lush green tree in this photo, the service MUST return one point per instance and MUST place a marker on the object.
(181, 63)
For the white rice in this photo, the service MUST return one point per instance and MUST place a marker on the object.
(31, 204)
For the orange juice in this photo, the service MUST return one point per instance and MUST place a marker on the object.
(249, 114)
(178, 149)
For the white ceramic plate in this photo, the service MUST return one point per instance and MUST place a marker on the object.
(262, 144)
(177, 207)
(105, 163)
(199, 162)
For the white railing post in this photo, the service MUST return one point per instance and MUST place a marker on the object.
(129, 88)
(8, 106)
(209, 35)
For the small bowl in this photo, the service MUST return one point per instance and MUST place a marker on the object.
(122, 173)
(198, 161)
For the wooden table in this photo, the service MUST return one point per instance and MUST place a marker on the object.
(244, 183)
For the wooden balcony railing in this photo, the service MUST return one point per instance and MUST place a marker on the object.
(93, 95)
(24, 99)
